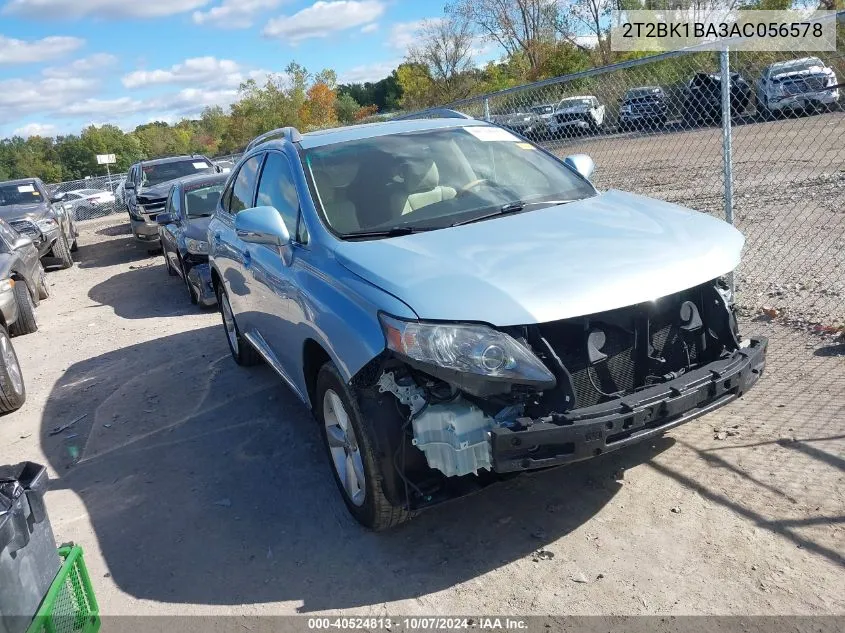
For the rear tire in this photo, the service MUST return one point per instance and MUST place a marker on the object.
(12, 388)
(353, 450)
(26, 323)
(241, 349)
(61, 251)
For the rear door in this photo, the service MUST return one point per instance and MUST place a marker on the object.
(231, 256)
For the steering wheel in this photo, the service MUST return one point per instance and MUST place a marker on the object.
(472, 185)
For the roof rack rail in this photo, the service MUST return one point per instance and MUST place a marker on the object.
(439, 113)
(289, 133)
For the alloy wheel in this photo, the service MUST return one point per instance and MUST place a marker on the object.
(343, 446)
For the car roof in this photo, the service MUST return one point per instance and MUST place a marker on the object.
(172, 159)
(382, 128)
(195, 179)
(579, 97)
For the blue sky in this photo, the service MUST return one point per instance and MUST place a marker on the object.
(68, 63)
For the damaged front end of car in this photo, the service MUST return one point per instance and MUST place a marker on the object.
(473, 403)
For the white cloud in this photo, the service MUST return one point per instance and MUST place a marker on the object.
(36, 129)
(113, 9)
(370, 28)
(13, 51)
(322, 19)
(198, 71)
(91, 64)
(234, 14)
(368, 72)
(22, 97)
(404, 34)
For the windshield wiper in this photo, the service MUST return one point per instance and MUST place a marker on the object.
(511, 207)
(393, 231)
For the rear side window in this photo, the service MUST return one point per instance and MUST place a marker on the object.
(243, 191)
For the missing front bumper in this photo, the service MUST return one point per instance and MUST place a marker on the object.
(591, 431)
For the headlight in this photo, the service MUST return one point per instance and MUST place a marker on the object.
(196, 247)
(626, 109)
(46, 224)
(468, 349)
(6, 285)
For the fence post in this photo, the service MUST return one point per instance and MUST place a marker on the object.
(486, 109)
(727, 147)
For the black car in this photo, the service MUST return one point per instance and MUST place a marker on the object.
(703, 97)
(644, 107)
(183, 228)
(147, 186)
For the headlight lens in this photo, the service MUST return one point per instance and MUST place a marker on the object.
(466, 348)
(197, 247)
(46, 224)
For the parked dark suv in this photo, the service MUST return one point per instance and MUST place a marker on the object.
(703, 97)
(643, 107)
(147, 186)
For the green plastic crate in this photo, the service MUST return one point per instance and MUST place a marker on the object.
(70, 605)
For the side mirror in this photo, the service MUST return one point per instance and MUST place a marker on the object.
(262, 225)
(22, 242)
(57, 197)
(165, 218)
(129, 186)
(581, 163)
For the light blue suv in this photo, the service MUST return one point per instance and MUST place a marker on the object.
(455, 304)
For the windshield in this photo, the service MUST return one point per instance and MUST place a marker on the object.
(543, 109)
(157, 174)
(801, 65)
(576, 101)
(434, 178)
(25, 193)
(637, 93)
(201, 200)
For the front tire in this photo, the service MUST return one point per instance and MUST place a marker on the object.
(192, 294)
(26, 323)
(350, 443)
(43, 287)
(61, 251)
(12, 389)
(243, 353)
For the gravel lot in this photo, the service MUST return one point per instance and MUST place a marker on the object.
(196, 486)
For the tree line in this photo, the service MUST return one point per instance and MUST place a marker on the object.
(536, 39)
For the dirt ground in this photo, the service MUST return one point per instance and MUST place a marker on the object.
(199, 487)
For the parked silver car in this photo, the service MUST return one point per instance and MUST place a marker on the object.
(455, 304)
(22, 281)
(26, 205)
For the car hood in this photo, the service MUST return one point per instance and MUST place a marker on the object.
(32, 212)
(795, 74)
(197, 228)
(158, 191)
(613, 250)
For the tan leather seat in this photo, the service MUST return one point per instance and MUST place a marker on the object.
(421, 186)
(333, 179)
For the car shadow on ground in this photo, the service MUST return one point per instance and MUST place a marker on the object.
(121, 250)
(207, 483)
(145, 292)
